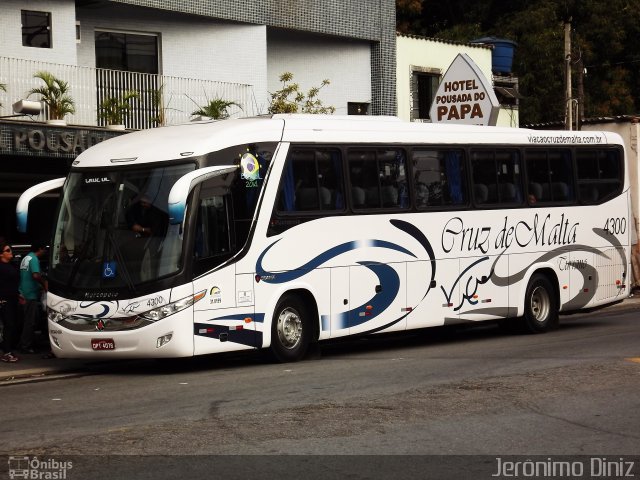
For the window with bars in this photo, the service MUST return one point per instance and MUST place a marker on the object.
(424, 85)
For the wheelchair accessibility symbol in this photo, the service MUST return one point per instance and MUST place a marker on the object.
(109, 270)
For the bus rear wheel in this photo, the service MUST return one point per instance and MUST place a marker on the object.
(290, 330)
(540, 305)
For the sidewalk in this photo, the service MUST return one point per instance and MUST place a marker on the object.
(33, 367)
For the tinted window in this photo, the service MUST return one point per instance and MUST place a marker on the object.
(36, 29)
(438, 177)
(378, 178)
(496, 177)
(312, 181)
(550, 176)
(599, 174)
(127, 51)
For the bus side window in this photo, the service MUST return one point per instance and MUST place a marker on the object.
(549, 176)
(312, 181)
(378, 179)
(599, 175)
(499, 170)
(438, 178)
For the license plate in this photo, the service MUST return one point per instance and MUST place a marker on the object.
(103, 344)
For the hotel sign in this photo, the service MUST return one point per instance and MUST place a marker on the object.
(41, 140)
(465, 96)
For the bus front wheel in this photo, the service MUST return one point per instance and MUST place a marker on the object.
(290, 330)
(541, 305)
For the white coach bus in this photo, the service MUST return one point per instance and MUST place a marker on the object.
(287, 230)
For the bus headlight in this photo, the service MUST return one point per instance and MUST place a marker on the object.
(174, 307)
(54, 316)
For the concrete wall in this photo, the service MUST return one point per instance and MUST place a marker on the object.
(312, 58)
(190, 46)
(371, 20)
(63, 26)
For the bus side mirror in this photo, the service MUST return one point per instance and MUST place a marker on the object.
(22, 208)
(181, 189)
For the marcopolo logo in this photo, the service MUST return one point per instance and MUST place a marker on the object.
(36, 469)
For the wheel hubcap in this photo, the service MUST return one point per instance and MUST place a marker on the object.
(289, 328)
(540, 304)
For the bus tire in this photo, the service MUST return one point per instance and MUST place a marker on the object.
(290, 329)
(540, 305)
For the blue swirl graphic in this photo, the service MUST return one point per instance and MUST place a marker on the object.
(320, 259)
(390, 281)
(387, 277)
(103, 314)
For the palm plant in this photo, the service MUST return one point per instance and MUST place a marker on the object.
(216, 109)
(114, 110)
(55, 94)
(157, 100)
(3, 88)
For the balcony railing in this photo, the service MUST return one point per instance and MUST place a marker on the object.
(162, 100)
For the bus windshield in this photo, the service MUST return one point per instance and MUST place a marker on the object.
(112, 229)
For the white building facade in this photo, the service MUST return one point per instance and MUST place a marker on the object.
(177, 55)
(235, 50)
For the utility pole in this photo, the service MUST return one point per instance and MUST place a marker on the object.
(580, 88)
(567, 59)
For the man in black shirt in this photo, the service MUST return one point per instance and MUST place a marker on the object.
(9, 283)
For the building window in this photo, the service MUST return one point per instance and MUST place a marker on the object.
(354, 108)
(127, 51)
(36, 29)
(424, 85)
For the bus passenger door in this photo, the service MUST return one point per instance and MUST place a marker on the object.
(378, 297)
(433, 291)
(220, 317)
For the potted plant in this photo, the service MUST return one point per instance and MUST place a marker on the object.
(114, 110)
(3, 88)
(55, 94)
(215, 109)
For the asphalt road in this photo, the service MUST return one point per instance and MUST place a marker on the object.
(475, 391)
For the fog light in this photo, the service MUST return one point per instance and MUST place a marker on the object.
(163, 340)
(55, 341)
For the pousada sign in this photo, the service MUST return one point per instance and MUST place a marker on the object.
(465, 96)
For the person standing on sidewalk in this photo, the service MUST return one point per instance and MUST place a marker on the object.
(32, 283)
(9, 282)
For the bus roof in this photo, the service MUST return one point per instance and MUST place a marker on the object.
(198, 138)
